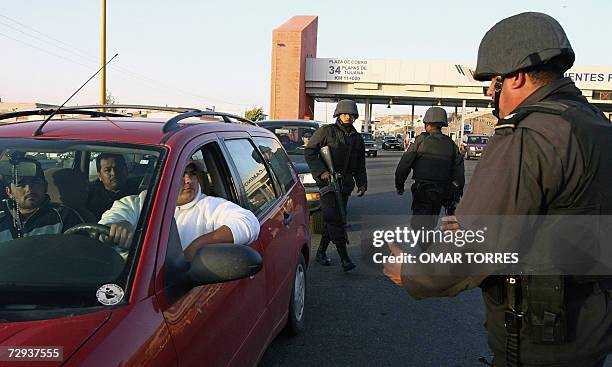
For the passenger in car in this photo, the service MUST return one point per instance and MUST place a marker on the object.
(28, 212)
(111, 184)
(200, 219)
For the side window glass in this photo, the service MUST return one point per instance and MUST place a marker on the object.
(277, 159)
(254, 176)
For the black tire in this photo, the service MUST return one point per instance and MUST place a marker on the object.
(375, 154)
(295, 320)
(316, 222)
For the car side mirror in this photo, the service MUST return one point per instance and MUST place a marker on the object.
(218, 263)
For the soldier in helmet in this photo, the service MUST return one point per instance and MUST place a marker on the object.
(348, 154)
(549, 157)
(437, 163)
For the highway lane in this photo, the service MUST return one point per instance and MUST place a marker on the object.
(361, 318)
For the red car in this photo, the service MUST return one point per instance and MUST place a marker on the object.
(72, 300)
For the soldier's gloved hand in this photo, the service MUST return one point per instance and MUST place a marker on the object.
(361, 190)
(400, 191)
(325, 176)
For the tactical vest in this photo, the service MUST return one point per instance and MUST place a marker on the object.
(541, 301)
(435, 157)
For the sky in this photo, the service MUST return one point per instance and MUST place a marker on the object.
(218, 53)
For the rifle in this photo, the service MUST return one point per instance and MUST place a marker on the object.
(452, 197)
(335, 183)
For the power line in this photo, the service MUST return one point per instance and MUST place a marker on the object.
(81, 54)
(42, 50)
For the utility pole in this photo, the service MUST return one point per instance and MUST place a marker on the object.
(103, 75)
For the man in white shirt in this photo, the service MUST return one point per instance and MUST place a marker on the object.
(200, 219)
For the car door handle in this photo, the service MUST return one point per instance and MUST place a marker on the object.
(287, 218)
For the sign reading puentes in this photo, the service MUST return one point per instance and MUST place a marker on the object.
(429, 73)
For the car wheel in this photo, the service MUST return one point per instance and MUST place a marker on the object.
(375, 154)
(295, 320)
(316, 222)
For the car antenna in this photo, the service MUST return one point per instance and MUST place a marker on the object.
(39, 130)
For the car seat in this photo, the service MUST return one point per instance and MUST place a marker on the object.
(68, 186)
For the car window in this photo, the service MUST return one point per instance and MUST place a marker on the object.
(293, 138)
(47, 199)
(254, 175)
(137, 164)
(277, 160)
(478, 140)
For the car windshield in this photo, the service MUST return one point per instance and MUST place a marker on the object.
(367, 136)
(293, 138)
(478, 140)
(53, 193)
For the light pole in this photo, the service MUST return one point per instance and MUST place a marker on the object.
(103, 75)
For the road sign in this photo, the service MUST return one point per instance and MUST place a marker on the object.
(467, 129)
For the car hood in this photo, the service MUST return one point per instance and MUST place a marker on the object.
(301, 168)
(369, 142)
(67, 332)
(477, 145)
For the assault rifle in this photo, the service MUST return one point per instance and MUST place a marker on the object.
(335, 182)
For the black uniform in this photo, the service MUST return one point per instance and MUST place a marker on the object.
(348, 154)
(541, 163)
(436, 162)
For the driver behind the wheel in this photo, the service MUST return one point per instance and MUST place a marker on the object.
(200, 219)
(27, 211)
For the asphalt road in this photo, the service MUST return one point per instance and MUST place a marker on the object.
(363, 319)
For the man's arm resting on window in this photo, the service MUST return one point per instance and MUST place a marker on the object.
(221, 235)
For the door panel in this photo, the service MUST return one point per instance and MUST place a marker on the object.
(217, 324)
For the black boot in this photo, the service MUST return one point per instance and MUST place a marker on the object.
(321, 257)
(347, 264)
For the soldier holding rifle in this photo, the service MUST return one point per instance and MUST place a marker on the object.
(336, 157)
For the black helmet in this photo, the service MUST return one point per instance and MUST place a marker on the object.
(346, 106)
(436, 115)
(521, 42)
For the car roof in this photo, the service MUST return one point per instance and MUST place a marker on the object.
(302, 123)
(117, 129)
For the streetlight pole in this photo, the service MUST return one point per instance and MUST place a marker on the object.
(103, 75)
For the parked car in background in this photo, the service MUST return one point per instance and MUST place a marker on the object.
(147, 305)
(371, 147)
(391, 143)
(472, 145)
(294, 135)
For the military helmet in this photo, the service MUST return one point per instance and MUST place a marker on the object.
(346, 106)
(520, 42)
(436, 115)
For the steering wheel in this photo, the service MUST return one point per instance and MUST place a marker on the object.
(92, 230)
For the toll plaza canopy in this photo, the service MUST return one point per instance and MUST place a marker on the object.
(426, 82)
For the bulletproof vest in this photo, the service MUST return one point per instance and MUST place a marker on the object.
(546, 297)
(594, 134)
(435, 157)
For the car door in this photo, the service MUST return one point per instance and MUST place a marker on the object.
(267, 201)
(294, 222)
(217, 324)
